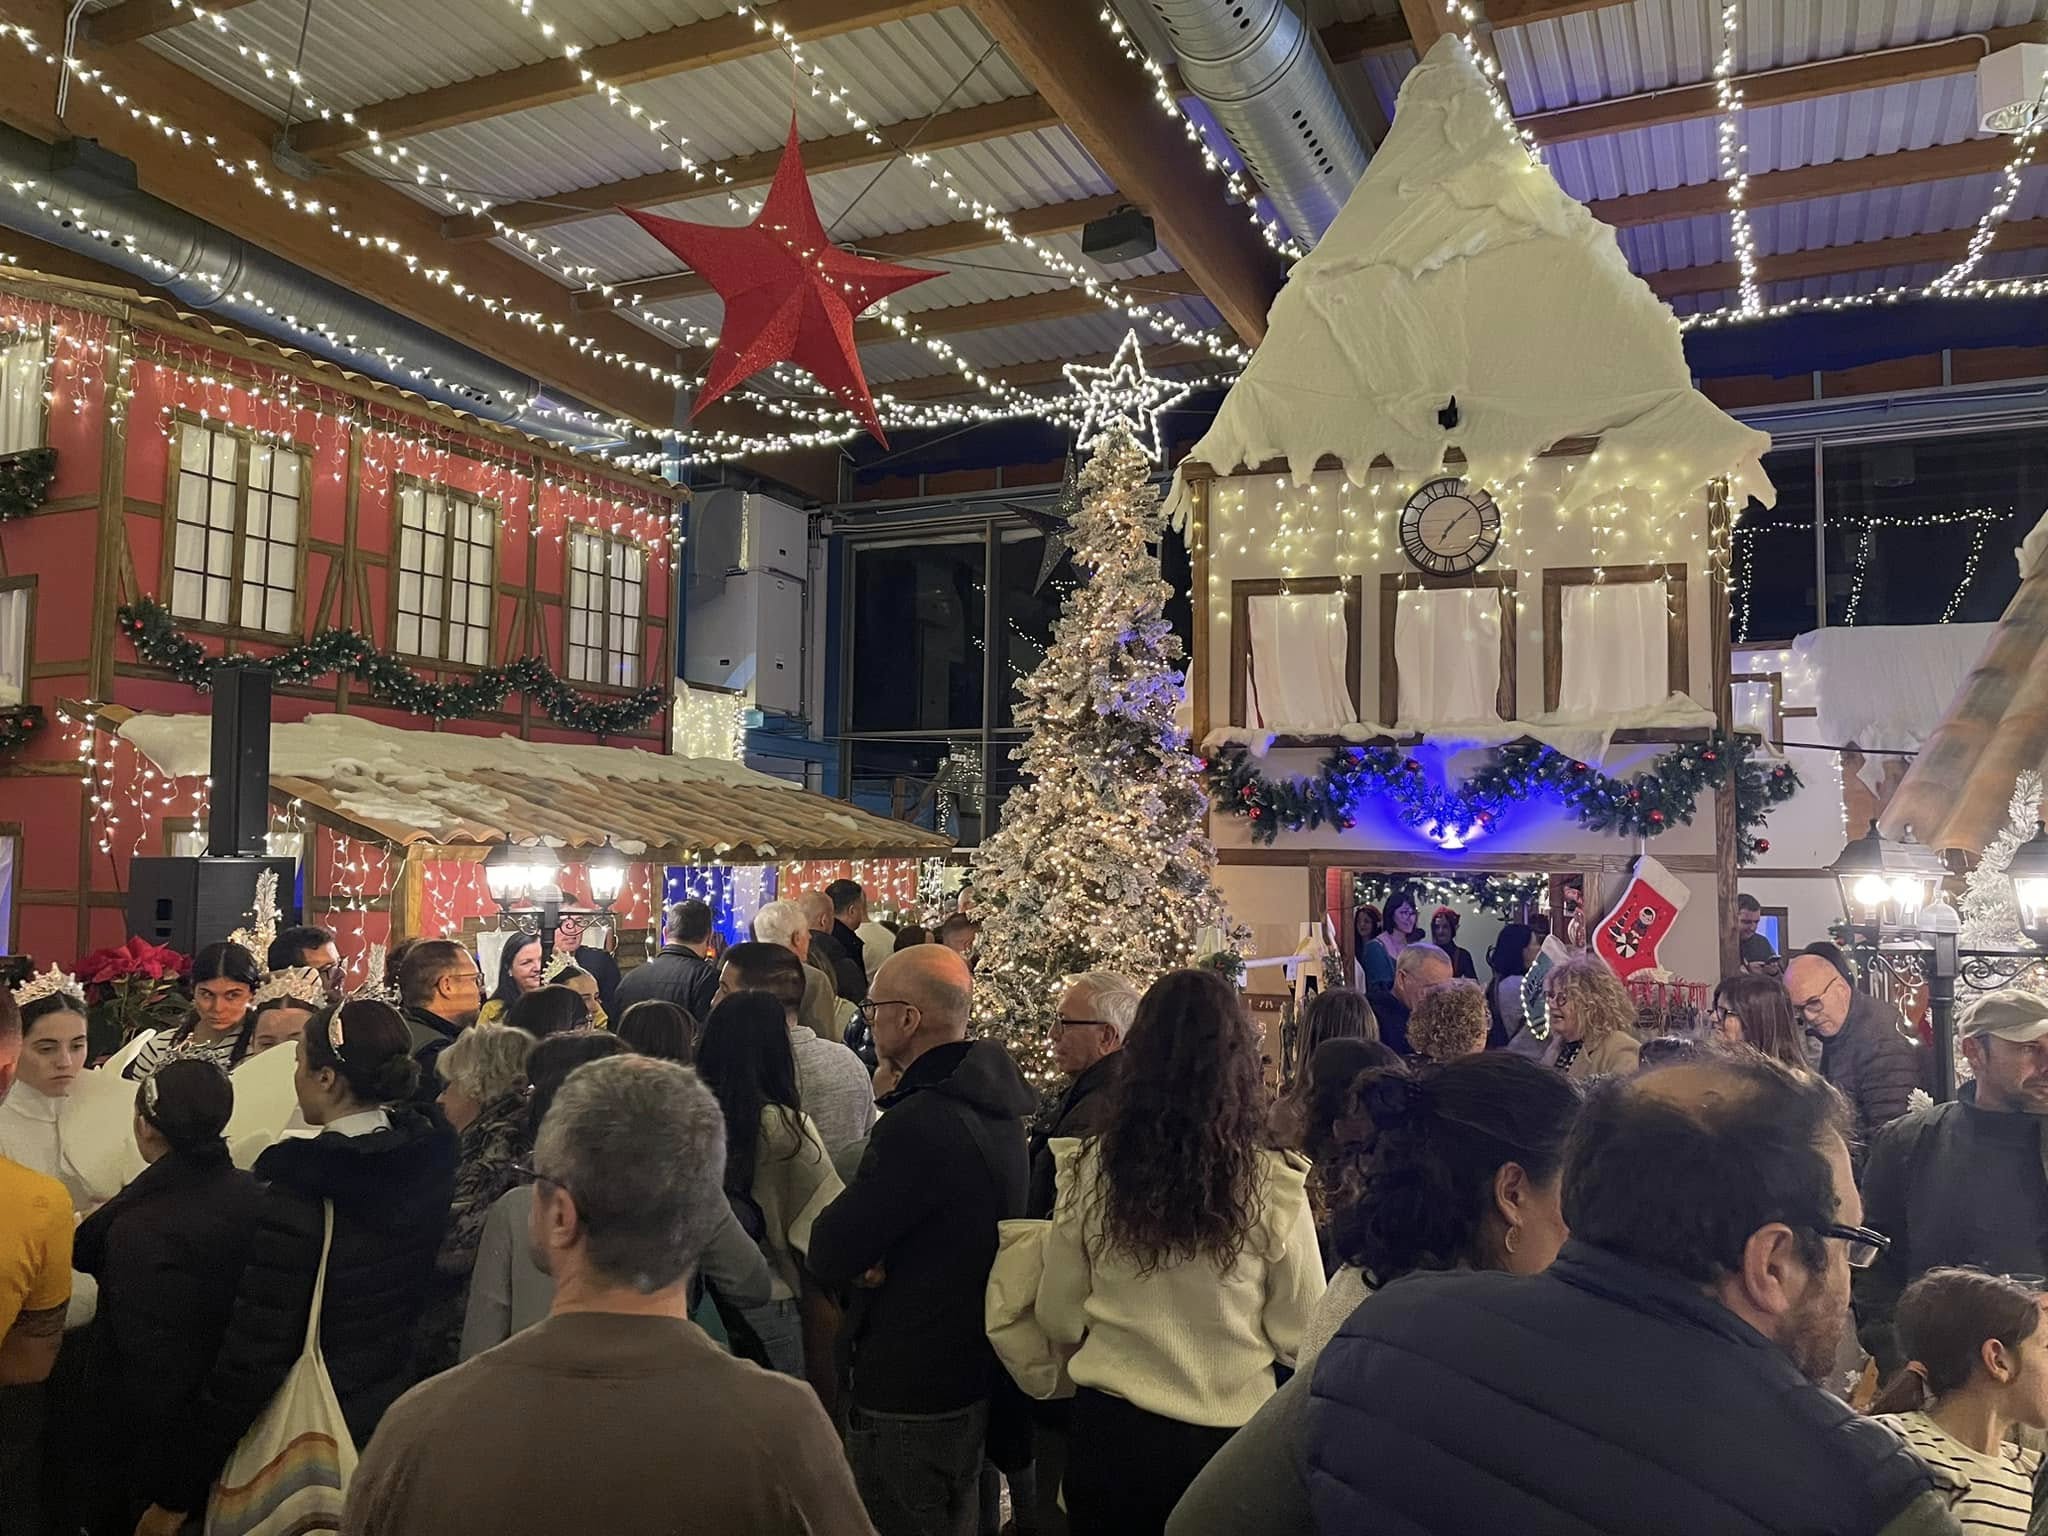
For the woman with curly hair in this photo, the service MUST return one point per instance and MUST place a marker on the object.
(1181, 1260)
(1449, 1022)
(1448, 1167)
(1592, 1019)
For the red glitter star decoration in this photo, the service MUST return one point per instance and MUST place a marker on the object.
(790, 294)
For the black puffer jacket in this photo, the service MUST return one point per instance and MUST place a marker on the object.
(167, 1252)
(944, 1165)
(391, 1190)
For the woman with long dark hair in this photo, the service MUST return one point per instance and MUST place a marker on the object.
(1181, 1259)
(167, 1252)
(1365, 927)
(1978, 1367)
(519, 968)
(225, 977)
(387, 1174)
(654, 1026)
(1756, 1011)
(1403, 927)
(1451, 1167)
(1338, 1014)
(1513, 952)
(545, 1011)
(775, 1160)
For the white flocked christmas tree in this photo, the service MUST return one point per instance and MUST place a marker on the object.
(1990, 912)
(1101, 861)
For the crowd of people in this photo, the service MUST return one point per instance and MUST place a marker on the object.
(1488, 1261)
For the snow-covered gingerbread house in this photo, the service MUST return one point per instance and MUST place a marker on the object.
(1459, 538)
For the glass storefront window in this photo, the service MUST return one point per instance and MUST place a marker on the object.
(917, 647)
(1775, 590)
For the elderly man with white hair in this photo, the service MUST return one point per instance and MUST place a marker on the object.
(1420, 967)
(787, 924)
(1088, 1032)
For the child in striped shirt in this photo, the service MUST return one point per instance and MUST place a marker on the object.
(1977, 1366)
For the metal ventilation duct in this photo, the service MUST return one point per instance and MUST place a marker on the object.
(101, 211)
(1263, 74)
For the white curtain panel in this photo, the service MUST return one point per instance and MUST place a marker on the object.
(21, 395)
(1299, 646)
(13, 646)
(1447, 645)
(1615, 648)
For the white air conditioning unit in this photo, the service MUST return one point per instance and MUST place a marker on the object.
(2010, 83)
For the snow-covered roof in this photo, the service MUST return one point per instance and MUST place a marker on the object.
(440, 786)
(1459, 268)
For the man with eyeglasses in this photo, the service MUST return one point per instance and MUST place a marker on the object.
(1663, 1375)
(1864, 1048)
(1095, 1013)
(1965, 1182)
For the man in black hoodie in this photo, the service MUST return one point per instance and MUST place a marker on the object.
(912, 1239)
(683, 973)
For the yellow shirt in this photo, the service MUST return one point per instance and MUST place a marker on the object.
(35, 1243)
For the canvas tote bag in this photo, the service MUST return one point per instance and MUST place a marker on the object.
(291, 1470)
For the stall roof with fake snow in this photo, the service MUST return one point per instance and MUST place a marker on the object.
(1460, 269)
(407, 786)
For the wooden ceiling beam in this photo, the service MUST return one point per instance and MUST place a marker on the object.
(133, 20)
(1103, 100)
(927, 244)
(949, 130)
(1522, 13)
(243, 133)
(1425, 24)
(631, 61)
(1947, 245)
(939, 386)
(1777, 87)
(1944, 162)
(1025, 309)
(1344, 41)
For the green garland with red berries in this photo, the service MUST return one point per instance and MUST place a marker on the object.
(25, 479)
(18, 723)
(1665, 795)
(159, 641)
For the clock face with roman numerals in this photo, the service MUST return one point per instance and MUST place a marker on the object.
(1449, 527)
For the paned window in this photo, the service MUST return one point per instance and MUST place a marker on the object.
(447, 560)
(21, 394)
(237, 531)
(607, 602)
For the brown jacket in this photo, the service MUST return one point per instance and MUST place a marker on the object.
(606, 1423)
(1614, 1054)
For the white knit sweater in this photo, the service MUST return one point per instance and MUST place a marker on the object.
(1190, 1342)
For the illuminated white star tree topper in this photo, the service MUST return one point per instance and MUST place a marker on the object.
(1123, 392)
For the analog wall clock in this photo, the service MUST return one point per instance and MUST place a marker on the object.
(1449, 527)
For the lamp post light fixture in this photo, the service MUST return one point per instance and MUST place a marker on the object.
(1885, 882)
(605, 870)
(2028, 872)
(527, 878)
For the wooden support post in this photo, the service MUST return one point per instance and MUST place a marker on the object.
(408, 896)
(1726, 835)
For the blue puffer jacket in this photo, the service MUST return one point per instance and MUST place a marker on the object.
(1597, 1397)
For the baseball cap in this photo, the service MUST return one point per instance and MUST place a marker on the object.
(2010, 1015)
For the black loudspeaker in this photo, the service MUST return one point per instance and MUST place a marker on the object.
(1125, 235)
(190, 903)
(241, 762)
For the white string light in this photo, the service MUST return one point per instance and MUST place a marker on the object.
(1734, 154)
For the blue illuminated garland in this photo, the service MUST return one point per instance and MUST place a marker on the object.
(1663, 796)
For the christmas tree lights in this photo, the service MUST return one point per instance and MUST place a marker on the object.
(1101, 862)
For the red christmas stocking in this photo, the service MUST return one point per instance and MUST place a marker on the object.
(1628, 936)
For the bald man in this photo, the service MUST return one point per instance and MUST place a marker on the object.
(1864, 1048)
(910, 1243)
(849, 975)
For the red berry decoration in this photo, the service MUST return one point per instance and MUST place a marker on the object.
(1763, 845)
(1409, 765)
(1658, 817)
(1709, 756)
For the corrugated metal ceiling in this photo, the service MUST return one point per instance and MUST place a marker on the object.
(899, 73)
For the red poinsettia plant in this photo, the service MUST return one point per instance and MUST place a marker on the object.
(131, 988)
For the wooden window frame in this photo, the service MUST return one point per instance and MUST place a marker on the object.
(1678, 651)
(1241, 595)
(19, 832)
(27, 583)
(602, 613)
(1775, 721)
(400, 483)
(1394, 583)
(173, 469)
(1784, 917)
(43, 395)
